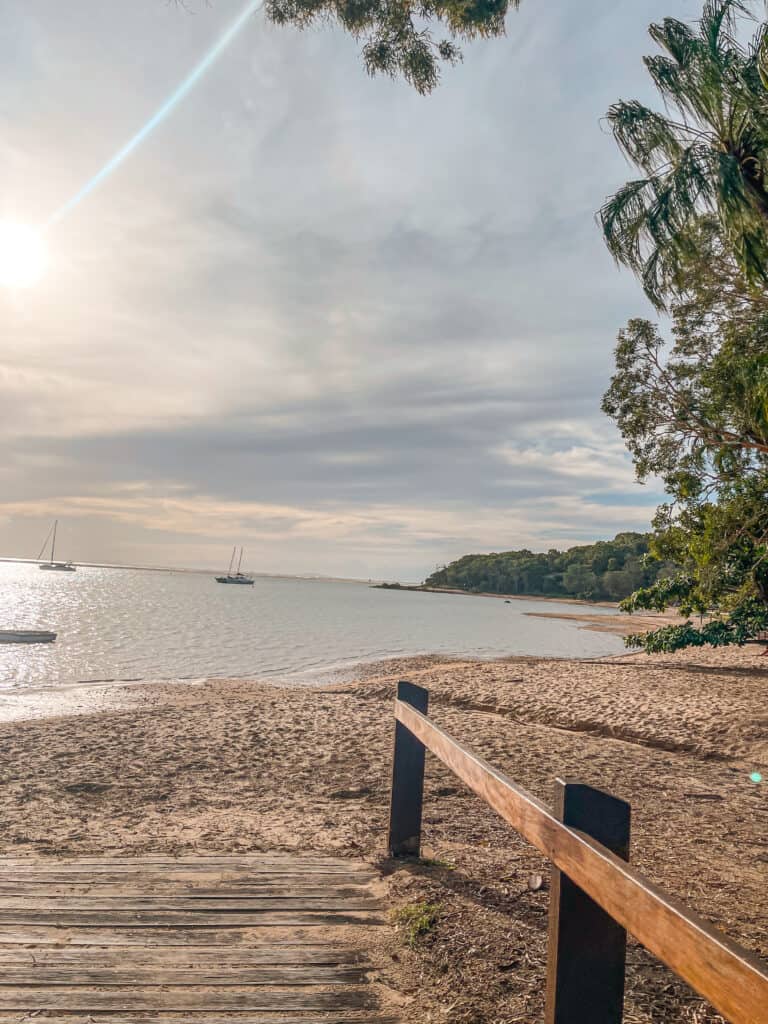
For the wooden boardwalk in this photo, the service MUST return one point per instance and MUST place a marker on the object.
(260, 939)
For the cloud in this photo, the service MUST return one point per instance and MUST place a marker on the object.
(172, 523)
(357, 329)
(607, 467)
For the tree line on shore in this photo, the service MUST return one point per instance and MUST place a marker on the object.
(608, 570)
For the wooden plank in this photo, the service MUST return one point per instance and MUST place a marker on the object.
(135, 891)
(241, 861)
(202, 1017)
(181, 1000)
(171, 919)
(74, 873)
(198, 879)
(732, 979)
(219, 883)
(178, 943)
(53, 936)
(215, 975)
(185, 956)
(587, 948)
(177, 904)
(36, 886)
(287, 864)
(192, 870)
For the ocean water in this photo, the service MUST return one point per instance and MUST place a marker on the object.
(126, 624)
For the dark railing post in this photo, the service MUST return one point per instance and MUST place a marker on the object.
(407, 779)
(587, 948)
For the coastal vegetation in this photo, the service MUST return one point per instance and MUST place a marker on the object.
(706, 154)
(694, 413)
(607, 570)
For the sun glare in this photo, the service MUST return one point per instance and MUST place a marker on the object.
(22, 255)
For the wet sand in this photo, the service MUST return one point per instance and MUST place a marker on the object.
(622, 625)
(231, 765)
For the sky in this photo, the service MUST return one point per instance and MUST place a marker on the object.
(359, 331)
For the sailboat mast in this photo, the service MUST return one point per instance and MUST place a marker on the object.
(231, 560)
(53, 541)
(239, 561)
(45, 544)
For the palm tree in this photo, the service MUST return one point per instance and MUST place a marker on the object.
(707, 155)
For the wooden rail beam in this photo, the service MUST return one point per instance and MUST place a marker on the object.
(732, 979)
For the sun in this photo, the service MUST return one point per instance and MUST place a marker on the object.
(23, 256)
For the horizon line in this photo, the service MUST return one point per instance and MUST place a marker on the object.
(320, 577)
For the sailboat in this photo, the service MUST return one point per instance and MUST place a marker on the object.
(53, 564)
(236, 577)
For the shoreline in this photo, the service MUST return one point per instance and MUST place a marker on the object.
(622, 624)
(417, 588)
(94, 697)
(83, 697)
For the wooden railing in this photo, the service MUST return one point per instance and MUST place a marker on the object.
(596, 896)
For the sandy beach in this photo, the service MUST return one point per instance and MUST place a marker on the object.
(233, 765)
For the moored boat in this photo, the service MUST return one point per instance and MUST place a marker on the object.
(237, 577)
(53, 565)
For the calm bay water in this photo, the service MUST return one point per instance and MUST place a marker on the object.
(131, 624)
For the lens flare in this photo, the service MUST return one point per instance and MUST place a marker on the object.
(23, 256)
(162, 111)
(756, 777)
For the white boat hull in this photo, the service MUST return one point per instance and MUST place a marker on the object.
(26, 636)
(58, 566)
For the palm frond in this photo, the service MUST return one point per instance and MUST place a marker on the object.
(622, 217)
(760, 54)
(667, 76)
(644, 136)
(674, 36)
(706, 156)
(718, 22)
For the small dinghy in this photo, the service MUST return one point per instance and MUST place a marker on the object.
(26, 636)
